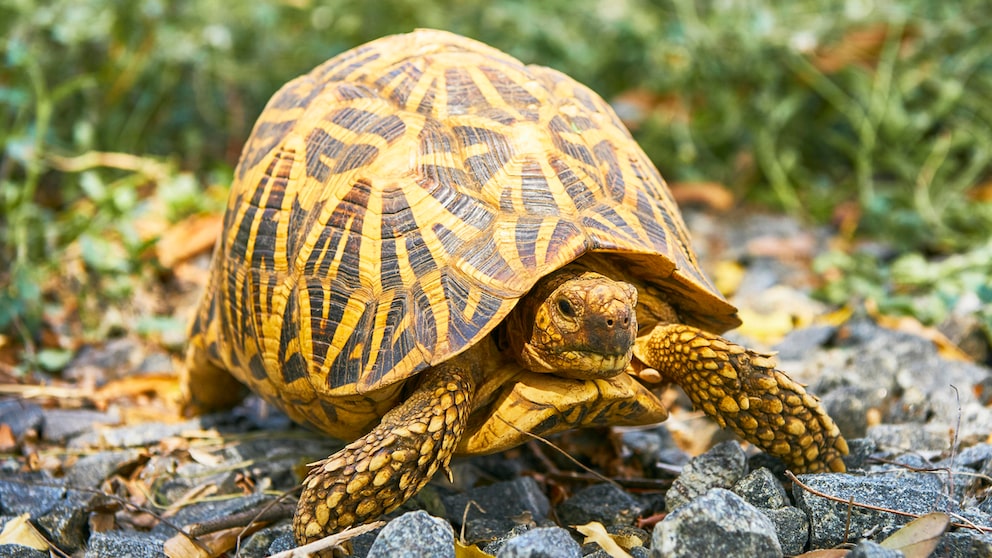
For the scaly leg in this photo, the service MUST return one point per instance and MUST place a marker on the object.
(742, 390)
(381, 470)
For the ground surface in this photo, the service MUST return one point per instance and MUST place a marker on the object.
(98, 461)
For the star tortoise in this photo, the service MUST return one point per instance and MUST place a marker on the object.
(431, 249)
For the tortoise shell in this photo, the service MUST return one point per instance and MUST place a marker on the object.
(391, 207)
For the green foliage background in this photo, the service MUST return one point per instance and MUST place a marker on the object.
(907, 135)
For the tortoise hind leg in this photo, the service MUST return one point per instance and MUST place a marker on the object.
(205, 386)
(742, 390)
(381, 470)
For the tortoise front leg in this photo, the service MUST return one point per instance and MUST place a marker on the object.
(741, 388)
(381, 470)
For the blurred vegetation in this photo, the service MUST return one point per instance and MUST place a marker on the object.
(114, 110)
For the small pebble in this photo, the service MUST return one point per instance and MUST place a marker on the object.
(545, 542)
(415, 535)
(761, 489)
(720, 467)
(719, 523)
(604, 503)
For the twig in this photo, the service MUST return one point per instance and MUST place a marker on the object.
(642, 483)
(265, 512)
(596, 474)
(270, 512)
(851, 503)
(468, 506)
(331, 541)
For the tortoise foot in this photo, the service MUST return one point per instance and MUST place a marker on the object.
(381, 470)
(743, 390)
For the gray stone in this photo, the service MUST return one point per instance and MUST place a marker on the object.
(493, 547)
(720, 467)
(833, 522)
(798, 344)
(414, 535)
(137, 435)
(63, 424)
(208, 510)
(65, 524)
(90, 471)
(285, 542)
(964, 544)
(719, 523)
(493, 507)
(124, 543)
(654, 445)
(604, 503)
(259, 544)
(791, 527)
(860, 450)
(924, 438)
(502, 498)
(906, 378)
(849, 405)
(22, 417)
(546, 542)
(973, 457)
(869, 549)
(761, 489)
(21, 551)
(35, 493)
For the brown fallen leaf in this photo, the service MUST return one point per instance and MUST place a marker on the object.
(907, 324)
(710, 194)
(862, 47)
(8, 442)
(187, 238)
(20, 531)
(919, 537)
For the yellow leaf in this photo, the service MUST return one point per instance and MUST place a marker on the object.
(595, 532)
(463, 550)
(20, 531)
(919, 537)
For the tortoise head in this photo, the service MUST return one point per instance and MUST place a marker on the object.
(575, 324)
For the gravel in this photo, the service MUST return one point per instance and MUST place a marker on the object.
(916, 423)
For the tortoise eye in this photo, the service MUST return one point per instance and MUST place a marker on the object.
(565, 307)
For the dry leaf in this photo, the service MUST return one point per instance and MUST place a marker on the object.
(180, 546)
(20, 531)
(463, 550)
(919, 537)
(595, 532)
(187, 238)
(7, 439)
(710, 194)
(858, 46)
(213, 544)
(907, 324)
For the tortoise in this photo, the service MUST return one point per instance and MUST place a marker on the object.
(431, 249)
